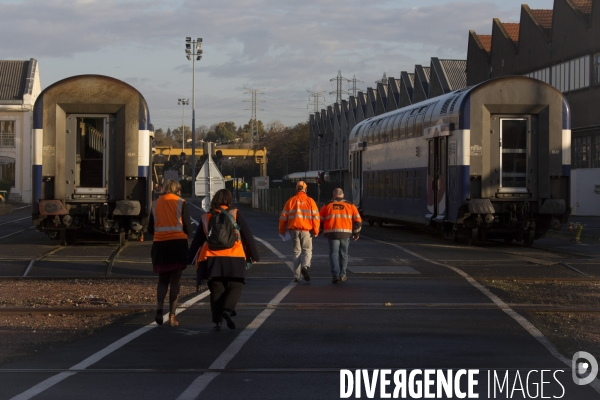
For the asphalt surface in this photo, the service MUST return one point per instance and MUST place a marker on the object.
(408, 304)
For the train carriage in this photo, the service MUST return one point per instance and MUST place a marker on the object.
(489, 161)
(91, 159)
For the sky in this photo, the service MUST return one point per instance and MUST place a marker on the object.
(282, 48)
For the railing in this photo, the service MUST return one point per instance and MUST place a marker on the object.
(94, 138)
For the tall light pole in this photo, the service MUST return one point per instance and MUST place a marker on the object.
(183, 103)
(193, 51)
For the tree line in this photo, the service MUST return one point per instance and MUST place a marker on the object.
(287, 147)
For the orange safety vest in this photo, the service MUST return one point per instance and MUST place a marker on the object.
(236, 251)
(167, 211)
(300, 213)
(339, 216)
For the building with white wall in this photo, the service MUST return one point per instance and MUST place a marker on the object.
(19, 88)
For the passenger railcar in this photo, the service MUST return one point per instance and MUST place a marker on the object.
(91, 159)
(489, 161)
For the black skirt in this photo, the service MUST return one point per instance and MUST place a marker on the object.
(170, 252)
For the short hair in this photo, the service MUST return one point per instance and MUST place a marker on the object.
(223, 197)
(171, 187)
(338, 192)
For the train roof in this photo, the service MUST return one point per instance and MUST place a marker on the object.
(448, 105)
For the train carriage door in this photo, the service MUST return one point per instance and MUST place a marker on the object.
(437, 168)
(356, 176)
(87, 155)
(517, 156)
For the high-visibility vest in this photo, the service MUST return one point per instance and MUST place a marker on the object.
(300, 213)
(236, 251)
(167, 211)
(340, 216)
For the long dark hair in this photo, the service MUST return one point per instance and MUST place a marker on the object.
(223, 197)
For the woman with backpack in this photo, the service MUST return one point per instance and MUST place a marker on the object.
(222, 248)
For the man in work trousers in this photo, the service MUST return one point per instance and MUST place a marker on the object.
(300, 216)
(341, 220)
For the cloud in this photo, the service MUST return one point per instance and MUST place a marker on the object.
(284, 46)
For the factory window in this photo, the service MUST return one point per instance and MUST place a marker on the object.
(7, 133)
(572, 75)
(580, 156)
(7, 170)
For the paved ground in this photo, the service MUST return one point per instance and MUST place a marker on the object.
(292, 340)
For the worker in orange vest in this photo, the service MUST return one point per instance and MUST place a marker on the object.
(300, 216)
(341, 221)
(170, 224)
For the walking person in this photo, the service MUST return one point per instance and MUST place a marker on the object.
(341, 221)
(170, 224)
(224, 267)
(300, 216)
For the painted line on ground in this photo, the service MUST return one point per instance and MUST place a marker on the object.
(12, 234)
(200, 383)
(10, 222)
(528, 326)
(94, 358)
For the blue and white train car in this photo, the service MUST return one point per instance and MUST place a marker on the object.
(488, 161)
(91, 159)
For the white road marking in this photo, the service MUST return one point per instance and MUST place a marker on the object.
(17, 232)
(94, 358)
(200, 383)
(10, 222)
(533, 331)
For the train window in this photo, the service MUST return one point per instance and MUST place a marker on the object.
(386, 129)
(398, 127)
(419, 125)
(395, 185)
(388, 184)
(409, 184)
(410, 127)
(429, 113)
(375, 184)
(443, 157)
(430, 165)
(382, 184)
(401, 185)
(418, 184)
(370, 184)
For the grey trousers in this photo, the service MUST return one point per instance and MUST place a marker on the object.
(302, 243)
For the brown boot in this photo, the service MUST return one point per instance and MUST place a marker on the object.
(172, 321)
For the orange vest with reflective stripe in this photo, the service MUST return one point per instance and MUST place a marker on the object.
(340, 217)
(167, 211)
(300, 213)
(236, 251)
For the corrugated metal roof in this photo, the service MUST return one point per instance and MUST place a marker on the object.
(585, 6)
(513, 31)
(456, 72)
(544, 17)
(13, 76)
(486, 42)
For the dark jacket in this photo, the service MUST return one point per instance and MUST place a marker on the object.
(171, 251)
(225, 268)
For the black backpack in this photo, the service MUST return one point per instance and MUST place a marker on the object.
(223, 231)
